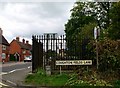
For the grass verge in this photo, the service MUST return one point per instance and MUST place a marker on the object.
(41, 79)
(65, 80)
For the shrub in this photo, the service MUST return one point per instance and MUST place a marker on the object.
(117, 83)
(108, 54)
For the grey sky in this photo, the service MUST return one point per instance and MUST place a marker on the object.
(27, 18)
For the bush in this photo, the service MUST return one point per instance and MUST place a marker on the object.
(108, 54)
(117, 83)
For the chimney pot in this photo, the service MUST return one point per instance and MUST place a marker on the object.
(17, 38)
(23, 41)
(27, 42)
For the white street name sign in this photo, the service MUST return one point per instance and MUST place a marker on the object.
(73, 62)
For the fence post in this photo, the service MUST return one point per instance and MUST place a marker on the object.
(33, 62)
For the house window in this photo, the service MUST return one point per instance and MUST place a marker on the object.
(3, 55)
(3, 47)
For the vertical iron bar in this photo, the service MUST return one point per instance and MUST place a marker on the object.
(33, 58)
(53, 41)
(44, 57)
(47, 48)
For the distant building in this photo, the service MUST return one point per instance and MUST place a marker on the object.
(18, 50)
(4, 48)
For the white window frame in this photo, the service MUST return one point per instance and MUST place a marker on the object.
(4, 47)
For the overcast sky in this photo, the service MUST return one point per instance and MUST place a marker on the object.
(27, 18)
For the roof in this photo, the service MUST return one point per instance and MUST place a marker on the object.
(4, 41)
(24, 46)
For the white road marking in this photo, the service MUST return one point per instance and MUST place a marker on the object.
(3, 73)
(11, 71)
(1, 85)
(11, 82)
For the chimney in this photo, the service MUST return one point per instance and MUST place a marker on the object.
(27, 42)
(23, 40)
(1, 31)
(17, 38)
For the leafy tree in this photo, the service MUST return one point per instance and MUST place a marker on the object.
(84, 13)
(114, 29)
(75, 25)
(77, 20)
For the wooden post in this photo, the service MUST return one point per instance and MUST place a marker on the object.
(96, 37)
(97, 54)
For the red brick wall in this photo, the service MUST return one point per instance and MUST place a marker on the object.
(14, 47)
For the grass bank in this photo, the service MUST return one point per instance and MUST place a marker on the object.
(72, 79)
(40, 78)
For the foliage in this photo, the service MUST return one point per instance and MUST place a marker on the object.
(84, 13)
(84, 17)
(77, 20)
(88, 30)
(50, 53)
(117, 83)
(109, 54)
(114, 29)
(88, 79)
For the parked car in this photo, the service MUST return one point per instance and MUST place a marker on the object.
(28, 59)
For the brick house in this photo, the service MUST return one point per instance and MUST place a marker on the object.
(18, 49)
(4, 48)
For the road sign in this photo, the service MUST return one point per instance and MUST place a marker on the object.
(95, 33)
(73, 62)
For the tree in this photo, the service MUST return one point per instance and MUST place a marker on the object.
(78, 20)
(114, 29)
(88, 12)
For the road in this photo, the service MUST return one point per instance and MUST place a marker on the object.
(13, 74)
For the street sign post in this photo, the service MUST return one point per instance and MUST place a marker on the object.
(96, 35)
